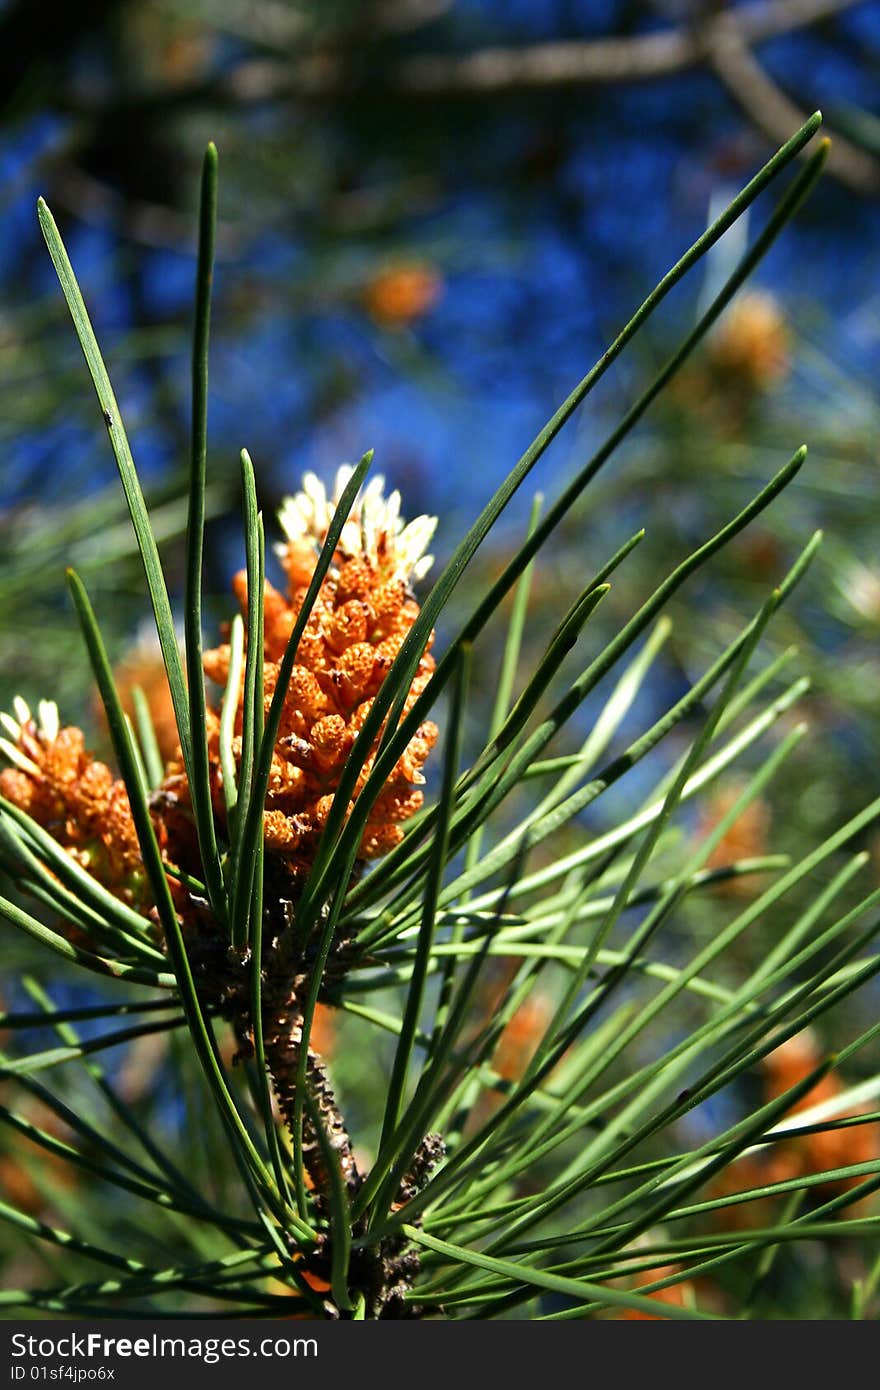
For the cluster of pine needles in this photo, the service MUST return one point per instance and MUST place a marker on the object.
(284, 866)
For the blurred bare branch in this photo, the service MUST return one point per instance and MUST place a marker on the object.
(770, 108)
(711, 35)
(574, 61)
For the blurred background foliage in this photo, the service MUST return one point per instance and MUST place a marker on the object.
(435, 214)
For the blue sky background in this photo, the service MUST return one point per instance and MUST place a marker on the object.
(547, 219)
